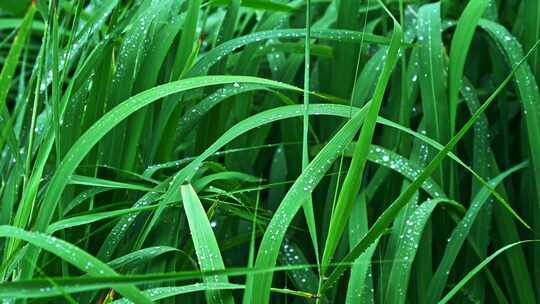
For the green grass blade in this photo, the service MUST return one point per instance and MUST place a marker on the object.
(161, 293)
(12, 60)
(432, 72)
(398, 281)
(99, 182)
(139, 257)
(478, 268)
(461, 42)
(459, 235)
(92, 217)
(74, 256)
(358, 288)
(206, 246)
(353, 178)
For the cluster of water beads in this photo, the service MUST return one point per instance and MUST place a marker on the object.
(358, 292)
(120, 229)
(410, 24)
(513, 52)
(7, 155)
(208, 261)
(150, 170)
(482, 136)
(85, 31)
(130, 51)
(409, 241)
(379, 57)
(403, 166)
(290, 257)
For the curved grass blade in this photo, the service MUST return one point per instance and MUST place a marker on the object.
(398, 281)
(408, 168)
(341, 110)
(92, 218)
(82, 197)
(9, 67)
(204, 181)
(303, 279)
(139, 257)
(481, 163)
(478, 268)
(40, 290)
(205, 243)
(359, 286)
(432, 72)
(459, 235)
(74, 255)
(526, 87)
(219, 52)
(439, 147)
(461, 42)
(195, 113)
(273, 6)
(508, 233)
(161, 293)
(119, 231)
(12, 60)
(103, 183)
(401, 165)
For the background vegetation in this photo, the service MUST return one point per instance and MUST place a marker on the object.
(256, 151)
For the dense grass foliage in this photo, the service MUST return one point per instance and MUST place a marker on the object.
(257, 151)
